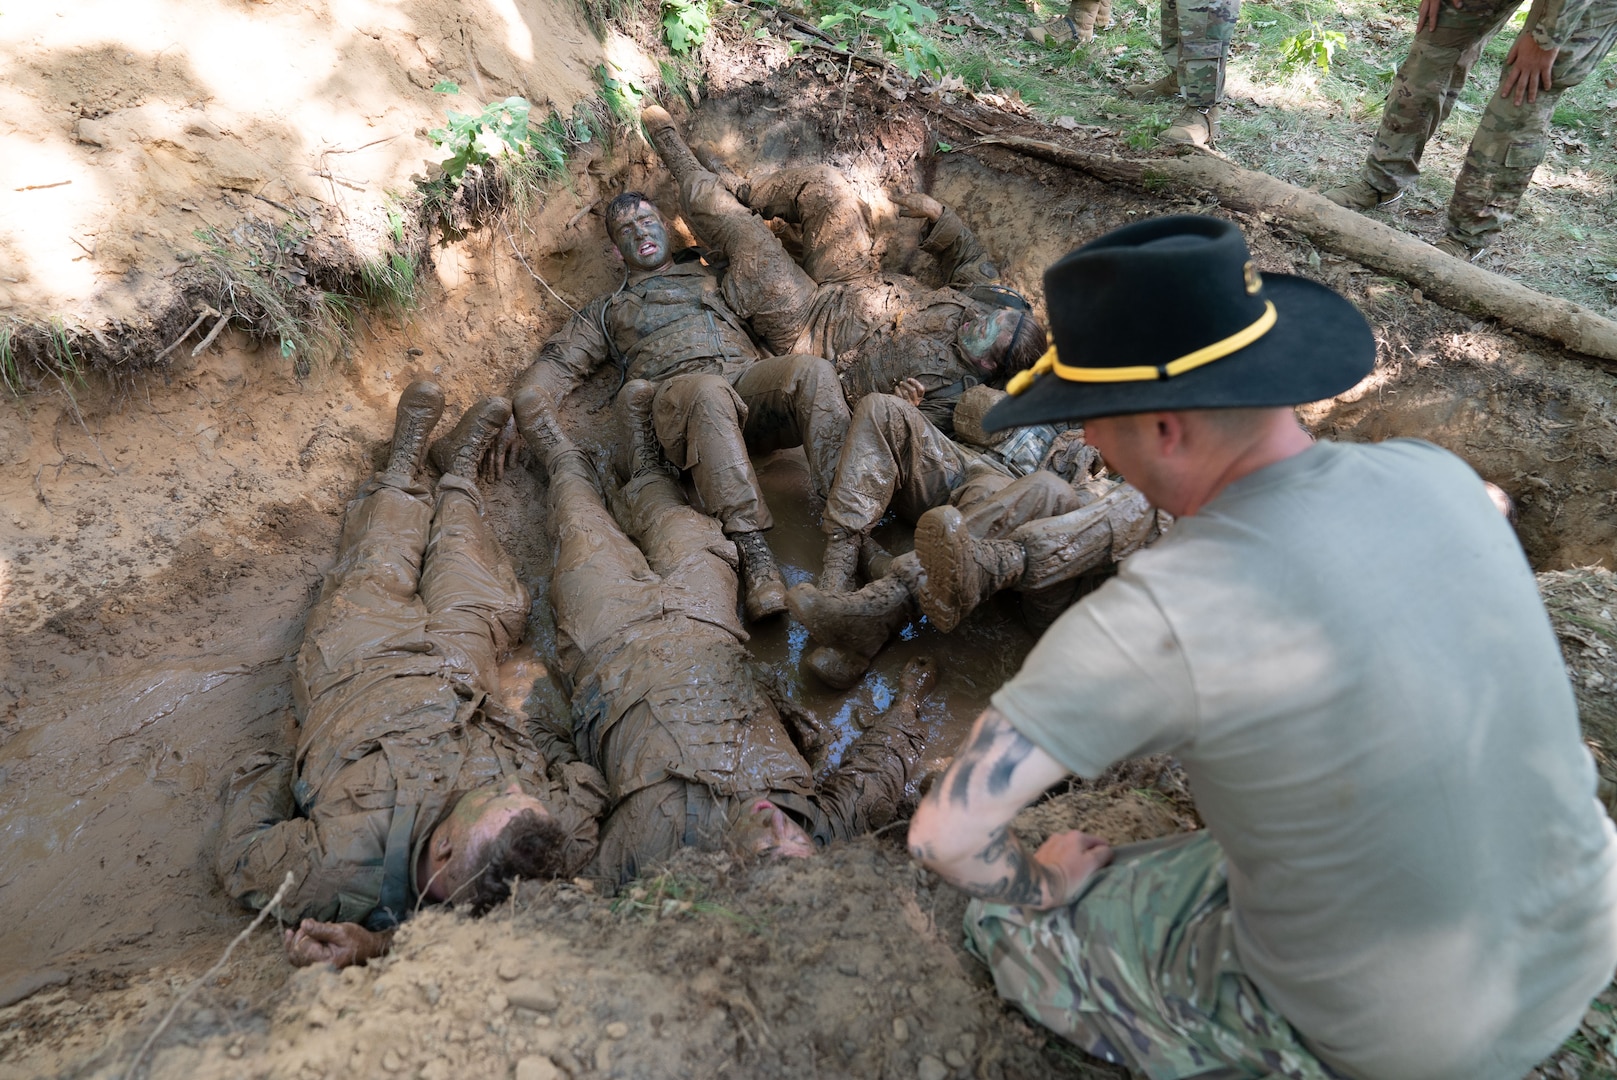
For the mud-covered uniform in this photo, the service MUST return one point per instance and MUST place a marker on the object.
(1511, 139)
(392, 683)
(666, 701)
(719, 395)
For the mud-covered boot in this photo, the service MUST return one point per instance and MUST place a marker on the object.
(1165, 87)
(640, 452)
(874, 560)
(669, 144)
(1103, 15)
(961, 571)
(1193, 127)
(852, 627)
(536, 423)
(840, 568)
(765, 592)
(1077, 25)
(420, 406)
(460, 452)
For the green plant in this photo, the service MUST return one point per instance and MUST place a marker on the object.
(498, 130)
(10, 373)
(666, 896)
(894, 30)
(623, 96)
(390, 281)
(685, 24)
(60, 355)
(1316, 46)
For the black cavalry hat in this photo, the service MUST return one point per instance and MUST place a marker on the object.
(1170, 314)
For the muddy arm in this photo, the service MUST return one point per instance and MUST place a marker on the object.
(570, 356)
(263, 837)
(961, 258)
(868, 790)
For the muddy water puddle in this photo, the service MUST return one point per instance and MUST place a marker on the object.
(972, 662)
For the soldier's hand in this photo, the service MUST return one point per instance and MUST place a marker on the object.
(1529, 68)
(910, 390)
(1426, 18)
(502, 454)
(339, 944)
(918, 204)
(1070, 457)
(1071, 857)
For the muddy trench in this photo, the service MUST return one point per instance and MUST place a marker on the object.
(164, 537)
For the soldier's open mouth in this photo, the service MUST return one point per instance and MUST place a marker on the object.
(649, 247)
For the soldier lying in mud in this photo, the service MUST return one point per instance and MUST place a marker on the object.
(666, 700)
(689, 327)
(411, 783)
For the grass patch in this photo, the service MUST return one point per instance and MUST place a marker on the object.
(1313, 125)
(670, 896)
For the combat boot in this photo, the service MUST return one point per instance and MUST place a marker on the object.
(1103, 15)
(853, 626)
(1449, 245)
(420, 406)
(765, 592)
(840, 568)
(640, 452)
(536, 421)
(960, 570)
(1077, 25)
(1360, 194)
(1165, 87)
(1193, 126)
(670, 146)
(460, 452)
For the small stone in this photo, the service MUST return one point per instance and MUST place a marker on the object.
(537, 1068)
(1416, 296)
(603, 1058)
(498, 1003)
(617, 1029)
(848, 968)
(930, 1068)
(508, 969)
(955, 1059)
(532, 994)
(234, 1050)
(724, 965)
(901, 1030)
(391, 1061)
(919, 995)
(436, 1069)
(968, 1043)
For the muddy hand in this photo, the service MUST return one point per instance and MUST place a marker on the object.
(910, 390)
(339, 944)
(918, 204)
(502, 454)
(1070, 457)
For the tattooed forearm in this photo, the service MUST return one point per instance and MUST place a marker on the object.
(1016, 751)
(1010, 875)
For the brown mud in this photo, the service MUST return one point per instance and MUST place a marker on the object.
(161, 538)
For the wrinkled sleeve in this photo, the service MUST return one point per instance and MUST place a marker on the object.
(1555, 21)
(578, 803)
(1107, 682)
(570, 356)
(263, 837)
(960, 257)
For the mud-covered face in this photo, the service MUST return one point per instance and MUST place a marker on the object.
(765, 830)
(985, 339)
(642, 238)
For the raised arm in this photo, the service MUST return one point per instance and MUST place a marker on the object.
(962, 830)
(961, 258)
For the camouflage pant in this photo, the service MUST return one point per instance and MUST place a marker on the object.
(1141, 970)
(1195, 42)
(1510, 140)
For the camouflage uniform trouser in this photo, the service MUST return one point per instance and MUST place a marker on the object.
(1195, 43)
(1141, 969)
(1510, 140)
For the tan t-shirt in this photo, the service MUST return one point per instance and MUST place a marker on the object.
(1348, 653)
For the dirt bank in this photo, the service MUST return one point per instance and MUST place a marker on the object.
(161, 536)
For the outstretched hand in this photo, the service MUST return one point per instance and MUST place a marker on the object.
(918, 204)
(1529, 68)
(501, 454)
(339, 944)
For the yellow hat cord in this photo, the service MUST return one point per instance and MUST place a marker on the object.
(1145, 372)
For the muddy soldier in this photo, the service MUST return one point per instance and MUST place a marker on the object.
(1196, 37)
(411, 782)
(1405, 873)
(666, 700)
(1562, 42)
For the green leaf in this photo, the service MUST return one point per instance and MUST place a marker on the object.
(444, 86)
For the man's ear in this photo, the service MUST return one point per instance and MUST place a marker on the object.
(1169, 431)
(441, 846)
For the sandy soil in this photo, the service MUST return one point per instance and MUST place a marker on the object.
(161, 534)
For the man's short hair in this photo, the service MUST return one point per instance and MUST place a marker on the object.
(1029, 341)
(624, 204)
(529, 847)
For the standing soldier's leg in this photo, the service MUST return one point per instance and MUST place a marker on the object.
(1205, 30)
(1423, 94)
(1167, 85)
(1511, 140)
